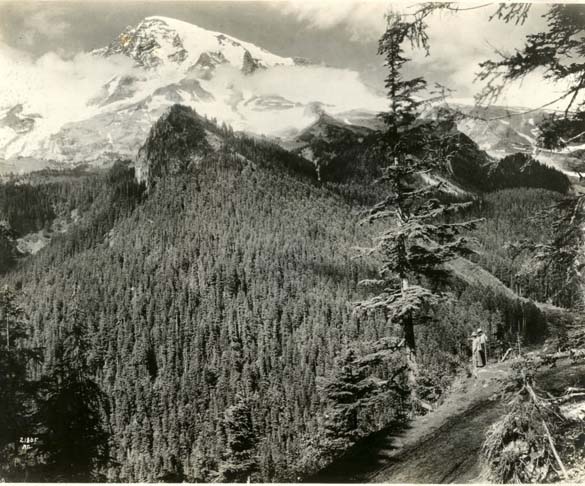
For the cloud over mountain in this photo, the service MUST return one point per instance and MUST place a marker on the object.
(87, 100)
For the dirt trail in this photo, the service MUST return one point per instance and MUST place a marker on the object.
(444, 446)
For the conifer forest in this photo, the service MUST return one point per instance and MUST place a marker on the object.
(290, 242)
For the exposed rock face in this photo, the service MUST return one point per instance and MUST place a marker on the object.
(117, 89)
(206, 64)
(250, 65)
(16, 120)
(302, 61)
(175, 142)
(144, 44)
(191, 86)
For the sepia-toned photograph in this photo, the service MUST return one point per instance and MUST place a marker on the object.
(292, 241)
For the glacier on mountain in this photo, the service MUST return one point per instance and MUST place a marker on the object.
(99, 106)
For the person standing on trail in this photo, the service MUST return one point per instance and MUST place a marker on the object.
(474, 353)
(482, 346)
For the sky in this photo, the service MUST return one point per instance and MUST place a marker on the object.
(340, 34)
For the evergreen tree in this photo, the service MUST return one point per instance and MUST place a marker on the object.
(240, 461)
(17, 388)
(73, 439)
(8, 248)
(352, 388)
(417, 244)
(558, 260)
(401, 91)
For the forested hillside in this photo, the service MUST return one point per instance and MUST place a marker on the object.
(227, 282)
(213, 307)
(265, 306)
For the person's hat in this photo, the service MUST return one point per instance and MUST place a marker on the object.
(479, 331)
(473, 334)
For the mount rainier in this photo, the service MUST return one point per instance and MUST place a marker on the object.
(158, 63)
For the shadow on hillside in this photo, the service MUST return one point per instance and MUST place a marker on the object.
(367, 456)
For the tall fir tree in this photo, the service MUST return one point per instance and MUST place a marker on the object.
(401, 92)
(417, 243)
(558, 262)
(73, 439)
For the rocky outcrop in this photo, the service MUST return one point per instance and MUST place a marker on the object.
(302, 61)
(207, 64)
(143, 43)
(175, 142)
(175, 91)
(16, 120)
(118, 88)
(250, 65)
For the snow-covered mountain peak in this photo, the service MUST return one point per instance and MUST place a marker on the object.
(161, 41)
(99, 106)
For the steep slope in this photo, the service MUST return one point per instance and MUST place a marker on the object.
(176, 141)
(224, 283)
(445, 446)
(334, 147)
(229, 282)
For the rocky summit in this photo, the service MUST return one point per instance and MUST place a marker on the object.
(175, 141)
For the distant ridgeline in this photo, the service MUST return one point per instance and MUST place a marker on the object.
(214, 276)
(342, 152)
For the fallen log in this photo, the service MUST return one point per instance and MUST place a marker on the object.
(570, 353)
(552, 358)
(570, 393)
(568, 398)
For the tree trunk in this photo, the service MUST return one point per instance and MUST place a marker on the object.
(410, 349)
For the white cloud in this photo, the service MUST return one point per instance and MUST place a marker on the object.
(304, 84)
(458, 41)
(54, 87)
(47, 23)
(363, 20)
(337, 89)
(44, 23)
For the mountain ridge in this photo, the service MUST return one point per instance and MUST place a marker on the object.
(173, 61)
